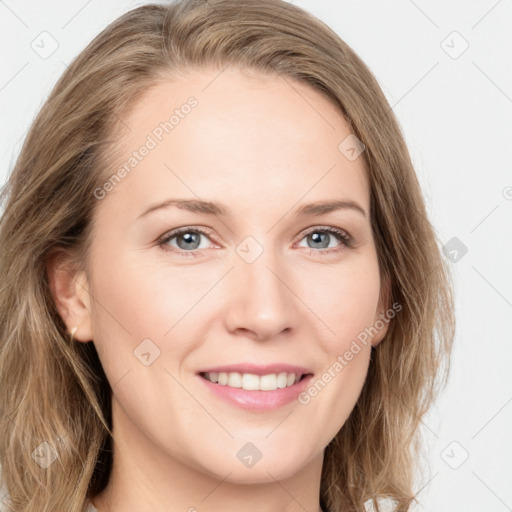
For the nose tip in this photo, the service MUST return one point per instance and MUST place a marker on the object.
(261, 303)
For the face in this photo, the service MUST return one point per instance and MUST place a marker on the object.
(242, 277)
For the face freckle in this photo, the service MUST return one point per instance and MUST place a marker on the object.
(240, 165)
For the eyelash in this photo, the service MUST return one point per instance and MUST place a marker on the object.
(346, 240)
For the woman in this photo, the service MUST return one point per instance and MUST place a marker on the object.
(233, 297)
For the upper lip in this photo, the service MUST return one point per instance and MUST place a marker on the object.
(257, 369)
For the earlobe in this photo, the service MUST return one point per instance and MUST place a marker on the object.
(70, 294)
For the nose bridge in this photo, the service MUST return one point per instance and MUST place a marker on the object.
(261, 301)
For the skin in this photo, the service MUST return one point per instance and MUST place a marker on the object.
(262, 145)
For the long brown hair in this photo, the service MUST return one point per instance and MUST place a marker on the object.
(54, 390)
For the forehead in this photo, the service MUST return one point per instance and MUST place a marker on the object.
(212, 132)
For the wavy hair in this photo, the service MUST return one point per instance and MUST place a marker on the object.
(54, 395)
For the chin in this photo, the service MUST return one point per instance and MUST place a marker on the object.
(278, 465)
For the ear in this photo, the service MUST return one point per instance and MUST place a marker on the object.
(70, 291)
(381, 322)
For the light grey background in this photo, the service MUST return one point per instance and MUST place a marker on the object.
(455, 109)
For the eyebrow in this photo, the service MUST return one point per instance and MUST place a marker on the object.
(210, 208)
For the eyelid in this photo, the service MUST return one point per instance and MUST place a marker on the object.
(330, 229)
(346, 240)
(169, 235)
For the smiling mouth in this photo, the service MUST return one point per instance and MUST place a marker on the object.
(252, 382)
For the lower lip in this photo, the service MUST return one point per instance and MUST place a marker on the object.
(257, 400)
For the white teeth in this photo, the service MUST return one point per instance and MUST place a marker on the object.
(235, 380)
(269, 382)
(282, 379)
(252, 382)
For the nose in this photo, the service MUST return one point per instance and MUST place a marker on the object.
(261, 303)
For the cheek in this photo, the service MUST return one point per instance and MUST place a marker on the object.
(142, 297)
(347, 305)
(346, 301)
(144, 306)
